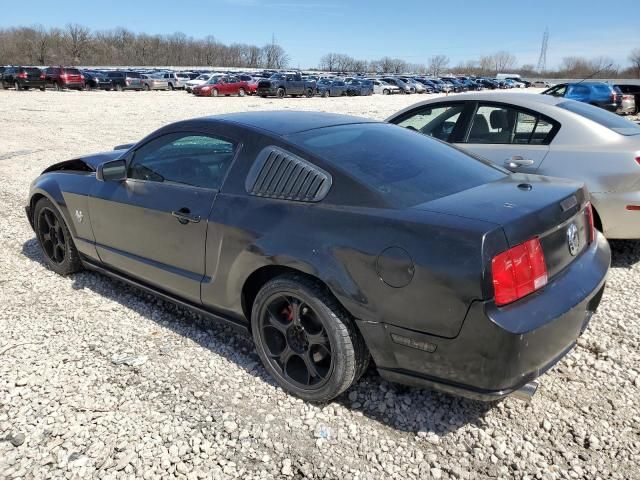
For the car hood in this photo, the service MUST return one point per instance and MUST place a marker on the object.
(96, 159)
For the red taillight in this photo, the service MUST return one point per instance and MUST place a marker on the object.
(633, 207)
(518, 272)
(22, 75)
(638, 160)
(42, 76)
(592, 225)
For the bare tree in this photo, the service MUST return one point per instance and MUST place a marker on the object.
(437, 64)
(77, 39)
(503, 61)
(328, 62)
(634, 58)
(274, 56)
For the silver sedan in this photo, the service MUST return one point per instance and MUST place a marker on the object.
(545, 135)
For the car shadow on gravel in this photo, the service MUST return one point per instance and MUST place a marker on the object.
(624, 253)
(427, 413)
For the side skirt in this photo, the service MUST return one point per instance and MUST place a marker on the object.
(236, 324)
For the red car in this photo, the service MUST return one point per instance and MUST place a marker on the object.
(222, 85)
(64, 77)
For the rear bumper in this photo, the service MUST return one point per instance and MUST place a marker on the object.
(617, 221)
(498, 350)
(266, 91)
(31, 83)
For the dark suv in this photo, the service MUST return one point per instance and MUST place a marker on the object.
(599, 94)
(23, 78)
(125, 80)
(63, 77)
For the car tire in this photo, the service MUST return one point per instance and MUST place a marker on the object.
(280, 93)
(17, 86)
(55, 240)
(385, 91)
(171, 87)
(147, 88)
(308, 93)
(42, 89)
(325, 94)
(214, 92)
(241, 92)
(312, 348)
(58, 87)
(263, 96)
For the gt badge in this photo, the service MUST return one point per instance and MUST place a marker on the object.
(79, 216)
(573, 239)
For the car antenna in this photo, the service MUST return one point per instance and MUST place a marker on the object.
(595, 73)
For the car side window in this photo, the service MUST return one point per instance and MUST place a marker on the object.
(435, 121)
(186, 158)
(499, 124)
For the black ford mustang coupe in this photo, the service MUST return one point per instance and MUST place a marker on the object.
(335, 240)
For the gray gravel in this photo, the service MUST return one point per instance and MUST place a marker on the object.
(99, 380)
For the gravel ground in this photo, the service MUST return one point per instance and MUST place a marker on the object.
(100, 380)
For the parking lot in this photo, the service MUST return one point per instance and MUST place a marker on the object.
(98, 379)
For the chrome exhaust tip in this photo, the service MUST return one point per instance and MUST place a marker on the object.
(526, 392)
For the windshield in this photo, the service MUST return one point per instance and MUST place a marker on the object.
(213, 80)
(403, 166)
(182, 75)
(204, 77)
(602, 117)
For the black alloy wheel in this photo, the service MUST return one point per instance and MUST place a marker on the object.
(305, 338)
(55, 239)
(296, 342)
(51, 236)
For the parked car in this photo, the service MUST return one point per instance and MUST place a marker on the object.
(599, 94)
(457, 85)
(176, 80)
(96, 80)
(221, 85)
(546, 135)
(23, 78)
(252, 83)
(384, 88)
(357, 87)
(121, 80)
(62, 78)
(429, 86)
(330, 238)
(631, 90)
(199, 80)
(541, 84)
(628, 106)
(154, 82)
(445, 87)
(282, 84)
(331, 88)
(404, 87)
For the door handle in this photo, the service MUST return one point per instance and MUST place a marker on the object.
(184, 216)
(518, 161)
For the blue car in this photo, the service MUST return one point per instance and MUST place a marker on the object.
(599, 94)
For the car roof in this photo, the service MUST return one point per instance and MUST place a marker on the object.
(287, 122)
(526, 100)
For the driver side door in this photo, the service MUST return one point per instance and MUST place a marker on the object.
(152, 226)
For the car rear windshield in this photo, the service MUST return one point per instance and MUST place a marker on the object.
(404, 167)
(32, 70)
(606, 119)
(72, 71)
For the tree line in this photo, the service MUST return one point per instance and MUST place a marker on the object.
(487, 65)
(78, 45)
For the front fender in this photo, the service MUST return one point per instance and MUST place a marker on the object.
(69, 193)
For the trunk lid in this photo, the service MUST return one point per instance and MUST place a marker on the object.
(528, 206)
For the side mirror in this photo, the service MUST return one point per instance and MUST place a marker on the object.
(113, 171)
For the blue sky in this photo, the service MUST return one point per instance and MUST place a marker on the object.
(368, 29)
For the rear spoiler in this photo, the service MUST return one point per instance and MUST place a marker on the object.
(124, 146)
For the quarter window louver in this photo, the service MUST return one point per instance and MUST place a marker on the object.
(281, 174)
